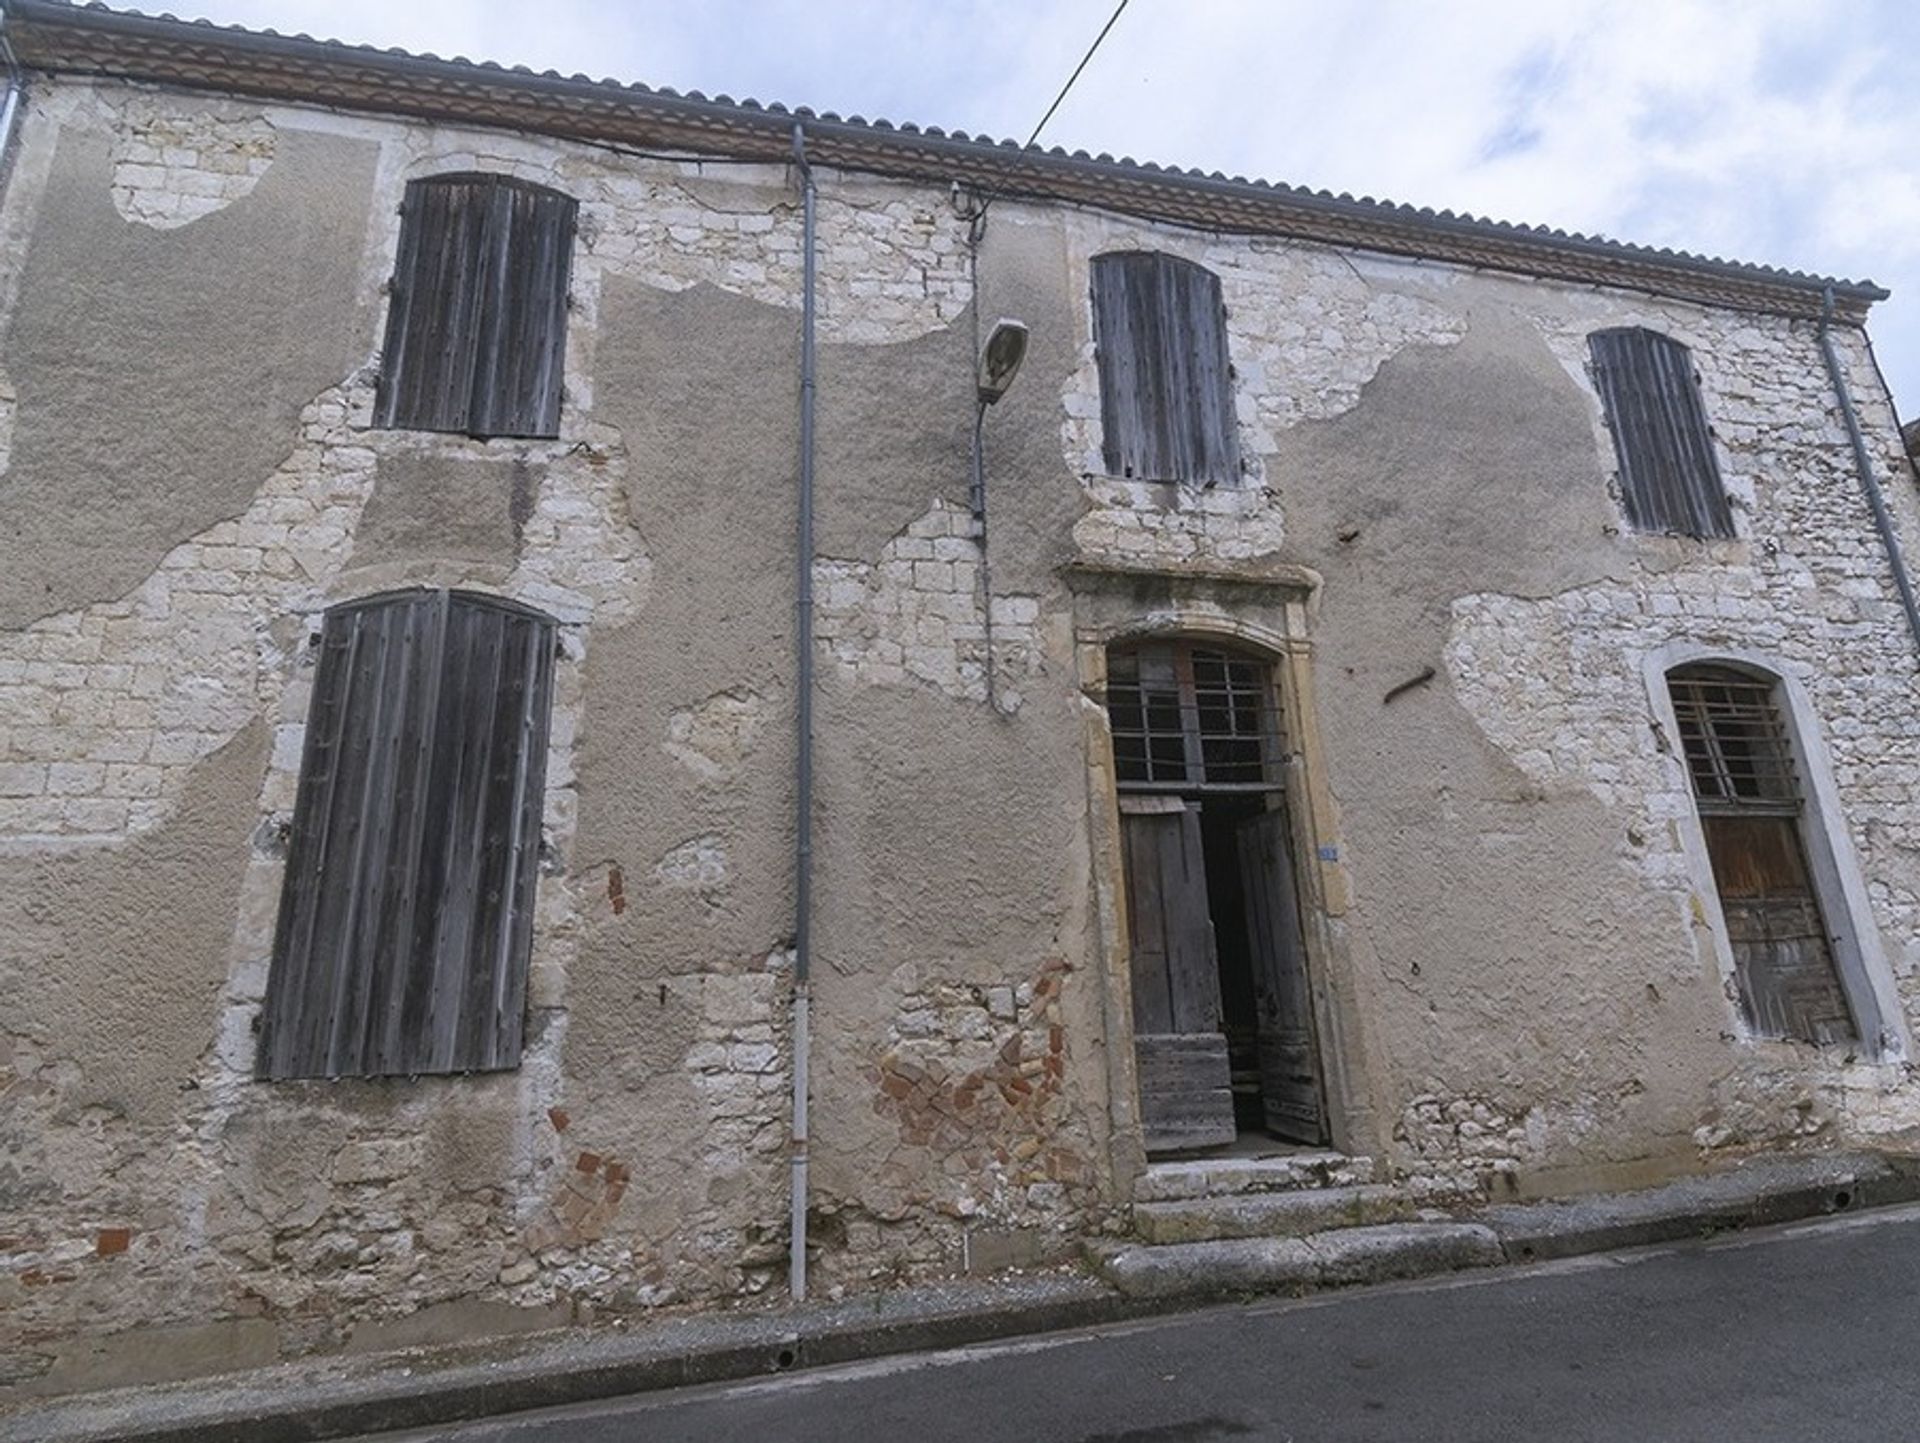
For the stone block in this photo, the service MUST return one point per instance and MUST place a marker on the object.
(377, 1161)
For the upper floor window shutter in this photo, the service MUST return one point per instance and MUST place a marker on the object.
(406, 914)
(1668, 475)
(1166, 385)
(477, 327)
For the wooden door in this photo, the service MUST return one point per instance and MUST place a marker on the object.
(1186, 1095)
(1781, 953)
(1289, 1061)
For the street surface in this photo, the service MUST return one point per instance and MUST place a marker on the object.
(1806, 1333)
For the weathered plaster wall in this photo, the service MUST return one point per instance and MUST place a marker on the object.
(1538, 995)
(87, 439)
(1510, 943)
(311, 1215)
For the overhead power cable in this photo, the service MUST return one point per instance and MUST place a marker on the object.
(1117, 10)
(976, 214)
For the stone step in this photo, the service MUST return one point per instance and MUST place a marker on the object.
(1229, 1176)
(1333, 1258)
(1269, 1214)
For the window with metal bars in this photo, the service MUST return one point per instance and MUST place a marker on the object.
(1187, 717)
(1740, 758)
(1669, 480)
(1166, 385)
(406, 914)
(1735, 741)
(477, 323)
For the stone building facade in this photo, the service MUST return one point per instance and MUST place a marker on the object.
(1517, 959)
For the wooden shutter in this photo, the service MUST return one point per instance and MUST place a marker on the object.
(477, 324)
(523, 324)
(1166, 385)
(1186, 1084)
(1668, 475)
(406, 914)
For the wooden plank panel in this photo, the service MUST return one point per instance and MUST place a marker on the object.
(1289, 1062)
(1146, 922)
(403, 630)
(1117, 351)
(460, 778)
(406, 916)
(1669, 477)
(405, 893)
(1166, 381)
(1192, 966)
(1783, 957)
(514, 943)
(1186, 1093)
(289, 978)
(1176, 980)
(518, 383)
(427, 365)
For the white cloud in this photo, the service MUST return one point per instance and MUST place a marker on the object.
(1780, 131)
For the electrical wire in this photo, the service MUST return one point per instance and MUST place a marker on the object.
(1117, 12)
(976, 215)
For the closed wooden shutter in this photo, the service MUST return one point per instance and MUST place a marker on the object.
(1669, 478)
(406, 914)
(1166, 385)
(477, 325)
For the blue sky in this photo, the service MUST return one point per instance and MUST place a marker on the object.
(1780, 131)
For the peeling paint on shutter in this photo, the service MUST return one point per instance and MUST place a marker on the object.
(406, 915)
(477, 324)
(1166, 384)
(1668, 475)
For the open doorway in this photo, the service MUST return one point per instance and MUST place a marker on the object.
(1223, 1017)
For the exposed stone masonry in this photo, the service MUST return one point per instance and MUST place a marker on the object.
(916, 615)
(171, 167)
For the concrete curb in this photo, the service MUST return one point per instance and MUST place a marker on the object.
(336, 1397)
(1763, 1190)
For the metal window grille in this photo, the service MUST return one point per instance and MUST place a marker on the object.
(1186, 717)
(1735, 741)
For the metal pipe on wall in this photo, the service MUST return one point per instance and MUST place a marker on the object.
(10, 104)
(977, 500)
(803, 766)
(1876, 499)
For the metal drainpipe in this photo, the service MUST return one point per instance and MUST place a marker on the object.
(977, 498)
(10, 105)
(1882, 519)
(803, 769)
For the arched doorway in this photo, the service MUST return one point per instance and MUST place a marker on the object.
(1222, 1009)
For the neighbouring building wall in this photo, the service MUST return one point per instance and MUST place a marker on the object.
(1518, 977)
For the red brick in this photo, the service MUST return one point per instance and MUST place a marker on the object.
(558, 1118)
(588, 1162)
(112, 1240)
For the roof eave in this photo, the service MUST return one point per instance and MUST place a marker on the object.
(53, 36)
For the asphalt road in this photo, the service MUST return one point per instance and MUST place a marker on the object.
(1804, 1333)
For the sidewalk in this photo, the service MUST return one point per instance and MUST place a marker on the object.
(338, 1396)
